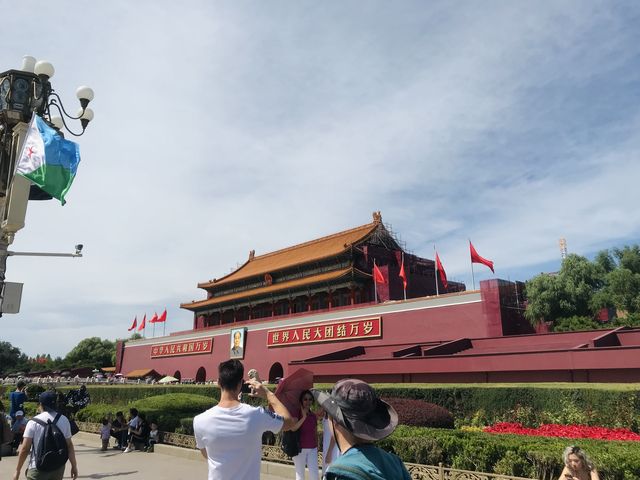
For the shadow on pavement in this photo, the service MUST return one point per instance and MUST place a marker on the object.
(106, 475)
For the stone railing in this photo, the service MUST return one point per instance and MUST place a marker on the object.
(273, 453)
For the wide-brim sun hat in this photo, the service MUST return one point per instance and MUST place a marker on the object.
(355, 405)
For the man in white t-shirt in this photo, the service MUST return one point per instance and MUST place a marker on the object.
(229, 435)
(32, 434)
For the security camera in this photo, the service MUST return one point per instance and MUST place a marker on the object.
(79, 249)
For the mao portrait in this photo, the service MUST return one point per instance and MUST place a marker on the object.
(237, 343)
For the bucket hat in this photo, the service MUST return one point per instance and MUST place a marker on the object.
(355, 405)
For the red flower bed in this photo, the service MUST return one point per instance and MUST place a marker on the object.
(569, 431)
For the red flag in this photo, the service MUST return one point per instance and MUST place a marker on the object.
(154, 319)
(144, 322)
(443, 274)
(475, 258)
(134, 324)
(163, 317)
(378, 277)
(403, 275)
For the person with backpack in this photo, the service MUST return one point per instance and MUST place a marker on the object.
(48, 438)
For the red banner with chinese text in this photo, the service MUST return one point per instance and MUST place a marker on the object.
(185, 347)
(325, 332)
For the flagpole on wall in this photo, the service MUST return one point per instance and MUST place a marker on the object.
(436, 270)
(404, 283)
(375, 283)
(473, 280)
(154, 330)
(164, 325)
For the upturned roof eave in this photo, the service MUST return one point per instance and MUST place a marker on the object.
(201, 304)
(227, 278)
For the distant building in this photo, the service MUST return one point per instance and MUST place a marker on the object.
(332, 271)
(313, 305)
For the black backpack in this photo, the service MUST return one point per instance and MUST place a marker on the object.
(51, 452)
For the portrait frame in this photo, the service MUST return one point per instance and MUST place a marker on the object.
(238, 352)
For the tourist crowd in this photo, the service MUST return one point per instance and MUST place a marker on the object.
(229, 435)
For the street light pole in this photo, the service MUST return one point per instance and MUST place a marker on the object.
(24, 93)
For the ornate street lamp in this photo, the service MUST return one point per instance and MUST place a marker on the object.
(22, 93)
(29, 90)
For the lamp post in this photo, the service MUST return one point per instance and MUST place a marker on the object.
(23, 93)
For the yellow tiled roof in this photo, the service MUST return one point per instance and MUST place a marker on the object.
(298, 282)
(314, 250)
(141, 372)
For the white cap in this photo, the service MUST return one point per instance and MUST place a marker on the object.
(19, 413)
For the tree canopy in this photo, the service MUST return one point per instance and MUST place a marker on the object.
(12, 359)
(92, 351)
(572, 297)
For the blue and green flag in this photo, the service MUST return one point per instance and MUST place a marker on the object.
(48, 160)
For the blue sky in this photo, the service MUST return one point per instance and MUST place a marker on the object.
(223, 127)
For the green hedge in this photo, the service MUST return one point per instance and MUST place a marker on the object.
(166, 410)
(607, 405)
(534, 457)
(129, 393)
(603, 405)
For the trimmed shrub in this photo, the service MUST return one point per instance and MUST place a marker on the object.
(95, 412)
(537, 457)
(166, 410)
(30, 409)
(512, 463)
(186, 426)
(33, 391)
(130, 393)
(603, 405)
(421, 414)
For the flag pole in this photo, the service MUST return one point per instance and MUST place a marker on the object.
(154, 330)
(473, 279)
(404, 283)
(164, 324)
(436, 270)
(375, 283)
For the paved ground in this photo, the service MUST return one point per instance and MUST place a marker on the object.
(166, 463)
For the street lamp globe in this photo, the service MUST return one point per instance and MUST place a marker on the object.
(44, 69)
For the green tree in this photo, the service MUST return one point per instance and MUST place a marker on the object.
(571, 324)
(622, 281)
(605, 261)
(544, 298)
(91, 352)
(580, 279)
(573, 296)
(628, 257)
(11, 359)
(569, 293)
(623, 290)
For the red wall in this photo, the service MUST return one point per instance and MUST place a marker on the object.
(487, 356)
(401, 327)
